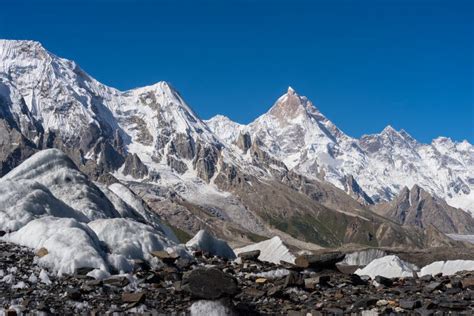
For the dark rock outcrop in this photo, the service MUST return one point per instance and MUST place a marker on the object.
(244, 142)
(353, 189)
(416, 207)
(319, 261)
(133, 166)
(210, 283)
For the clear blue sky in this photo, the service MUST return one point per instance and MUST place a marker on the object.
(365, 64)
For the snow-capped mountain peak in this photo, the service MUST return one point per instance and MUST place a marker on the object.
(152, 122)
(297, 133)
(291, 106)
(389, 130)
(224, 128)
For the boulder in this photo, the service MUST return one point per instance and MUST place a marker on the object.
(42, 252)
(364, 303)
(293, 279)
(209, 283)
(468, 283)
(409, 304)
(383, 281)
(310, 283)
(319, 261)
(249, 255)
(164, 256)
(119, 281)
(136, 297)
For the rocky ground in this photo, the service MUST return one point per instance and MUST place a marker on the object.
(242, 287)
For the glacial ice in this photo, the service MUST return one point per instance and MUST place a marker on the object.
(389, 267)
(271, 250)
(449, 267)
(206, 242)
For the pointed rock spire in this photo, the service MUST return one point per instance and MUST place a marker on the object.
(389, 130)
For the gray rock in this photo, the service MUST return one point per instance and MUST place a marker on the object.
(357, 280)
(83, 270)
(133, 166)
(433, 286)
(319, 261)
(249, 255)
(117, 281)
(133, 297)
(73, 294)
(310, 283)
(164, 256)
(383, 281)
(293, 279)
(244, 142)
(209, 283)
(364, 303)
(468, 283)
(409, 304)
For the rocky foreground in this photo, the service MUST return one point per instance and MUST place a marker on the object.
(242, 287)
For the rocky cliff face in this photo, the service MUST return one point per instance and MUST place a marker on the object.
(416, 207)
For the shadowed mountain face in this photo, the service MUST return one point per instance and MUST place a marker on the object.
(416, 207)
(290, 173)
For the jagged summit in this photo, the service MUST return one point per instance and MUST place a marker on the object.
(220, 117)
(290, 90)
(16, 47)
(389, 130)
(291, 105)
(417, 207)
(295, 132)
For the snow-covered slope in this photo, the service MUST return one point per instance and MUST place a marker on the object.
(297, 133)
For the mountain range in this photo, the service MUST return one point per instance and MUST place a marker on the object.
(291, 172)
